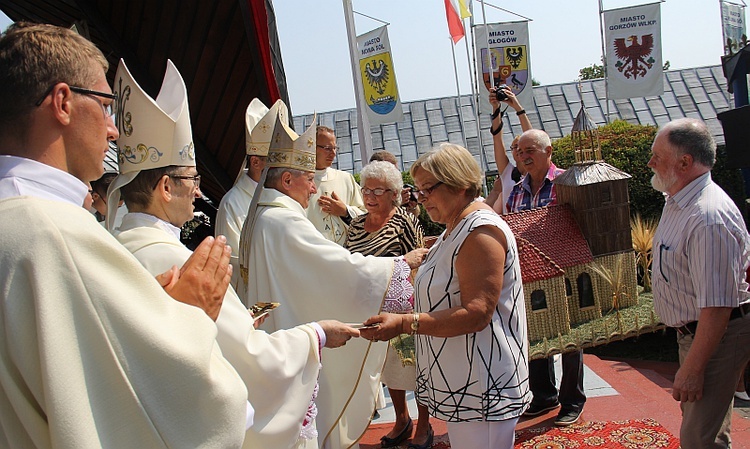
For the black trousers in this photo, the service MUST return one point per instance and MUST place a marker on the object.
(542, 381)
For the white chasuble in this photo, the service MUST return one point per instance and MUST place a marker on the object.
(93, 352)
(346, 188)
(279, 369)
(315, 279)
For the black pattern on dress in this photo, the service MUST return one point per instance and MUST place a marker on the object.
(481, 376)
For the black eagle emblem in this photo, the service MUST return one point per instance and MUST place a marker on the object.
(377, 75)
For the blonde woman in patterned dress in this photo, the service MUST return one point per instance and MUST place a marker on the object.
(470, 318)
(389, 230)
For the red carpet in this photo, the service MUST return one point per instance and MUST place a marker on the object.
(628, 434)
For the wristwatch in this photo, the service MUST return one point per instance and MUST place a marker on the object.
(415, 324)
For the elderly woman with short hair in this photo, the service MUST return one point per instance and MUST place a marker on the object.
(388, 230)
(470, 317)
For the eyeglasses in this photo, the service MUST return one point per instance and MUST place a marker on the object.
(376, 192)
(328, 147)
(426, 192)
(196, 179)
(107, 108)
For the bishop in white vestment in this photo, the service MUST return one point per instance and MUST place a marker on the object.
(289, 261)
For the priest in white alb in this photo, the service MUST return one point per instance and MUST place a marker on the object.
(279, 370)
(230, 216)
(287, 260)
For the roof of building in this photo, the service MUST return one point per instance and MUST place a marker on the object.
(535, 265)
(694, 92)
(590, 173)
(227, 52)
(554, 231)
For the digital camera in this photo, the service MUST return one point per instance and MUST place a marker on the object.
(500, 93)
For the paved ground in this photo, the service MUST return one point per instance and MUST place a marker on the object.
(616, 390)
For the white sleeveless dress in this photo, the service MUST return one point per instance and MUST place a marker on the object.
(481, 376)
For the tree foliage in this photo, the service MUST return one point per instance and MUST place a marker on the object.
(596, 71)
(628, 147)
(592, 72)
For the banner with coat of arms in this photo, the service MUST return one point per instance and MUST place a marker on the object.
(507, 62)
(733, 23)
(378, 77)
(633, 47)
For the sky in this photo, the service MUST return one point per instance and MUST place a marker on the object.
(564, 37)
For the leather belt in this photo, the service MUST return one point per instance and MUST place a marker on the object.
(737, 312)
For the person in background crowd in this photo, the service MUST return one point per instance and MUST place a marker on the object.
(99, 194)
(507, 174)
(536, 189)
(338, 198)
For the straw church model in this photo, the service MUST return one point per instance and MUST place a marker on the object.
(558, 245)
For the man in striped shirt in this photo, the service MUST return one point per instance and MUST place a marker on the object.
(534, 155)
(701, 252)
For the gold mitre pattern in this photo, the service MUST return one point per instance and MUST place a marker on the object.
(153, 133)
(259, 125)
(291, 151)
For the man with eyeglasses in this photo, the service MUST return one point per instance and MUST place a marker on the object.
(504, 182)
(160, 200)
(285, 258)
(94, 352)
(338, 198)
(699, 281)
(536, 189)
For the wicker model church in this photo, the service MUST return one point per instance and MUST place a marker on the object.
(558, 245)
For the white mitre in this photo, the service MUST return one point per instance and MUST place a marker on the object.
(153, 133)
(289, 150)
(286, 150)
(259, 124)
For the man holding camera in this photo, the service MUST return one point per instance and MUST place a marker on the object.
(536, 189)
(504, 182)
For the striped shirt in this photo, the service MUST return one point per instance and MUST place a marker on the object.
(701, 251)
(521, 197)
(401, 234)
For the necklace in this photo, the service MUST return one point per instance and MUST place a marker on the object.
(455, 217)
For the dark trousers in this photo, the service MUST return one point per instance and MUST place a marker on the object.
(542, 381)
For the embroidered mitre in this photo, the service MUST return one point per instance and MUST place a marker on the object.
(289, 150)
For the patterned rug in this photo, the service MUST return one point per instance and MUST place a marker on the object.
(630, 434)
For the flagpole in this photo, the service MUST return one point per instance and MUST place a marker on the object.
(487, 42)
(458, 90)
(604, 56)
(470, 59)
(363, 122)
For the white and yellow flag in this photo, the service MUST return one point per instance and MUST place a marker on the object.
(508, 61)
(633, 46)
(379, 78)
